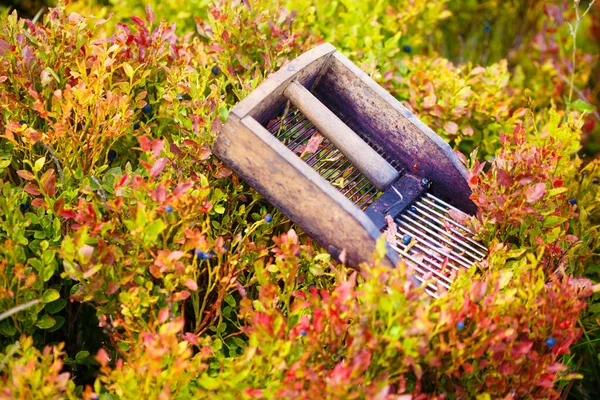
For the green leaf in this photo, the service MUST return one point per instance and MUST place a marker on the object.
(56, 306)
(582, 106)
(4, 163)
(45, 322)
(223, 114)
(39, 164)
(50, 295)
(60, 321)
(554, 220)
(153, 229)
(82, 355)
(128, 70)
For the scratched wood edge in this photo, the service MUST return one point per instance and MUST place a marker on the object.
(407, 114)
(272, 88)
(298, 191)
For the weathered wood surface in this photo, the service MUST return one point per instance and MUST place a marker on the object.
(267, 99)
(371, 110)
(374, 167)
(298, 191)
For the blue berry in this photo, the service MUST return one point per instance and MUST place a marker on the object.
(136, 126)
(487, 28)
(407, 48)
(169, 209)
(460, 325)
(147, 109)
(215, 70)
(406, 239)
(302, 332)
(268, 218)
(201, 254)
(179, 96)
(111, 155)
(22, 122)
(24, 207)
(572, 201)
(550, 342)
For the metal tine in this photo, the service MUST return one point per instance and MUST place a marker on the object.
(418, 263)
(327, 147)
(442, 279)
(356, 177)
(335, 166)
(342, 167)
(443, 228)
(289, 118)
(289, 131)
(324, 155)
(364, 185)
(372, 189)
(429, 210)
(448, 206)
(423, 200)
(458, 244)
(341, 172)
(426, 259)
(429, 250)
(457, 257)
(302, 136)
(329, 162)
(366, 201)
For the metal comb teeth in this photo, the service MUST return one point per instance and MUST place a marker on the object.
(432, 242)
(295, 131)
(438, 246)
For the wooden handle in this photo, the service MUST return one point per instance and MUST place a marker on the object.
(374, 167)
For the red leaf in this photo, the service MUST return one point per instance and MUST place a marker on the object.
(27, 175)
(32, 189)
(49, 182)
(535, 192)
(145, 143)
(223, 172)
(503, 178)
(149, 14)
(391, 231)
(39, 202)
(163, 315)
(191, 284)
(181, 189)
(102, 357)
(140, 22)
(184, 294)
(312, 145)
(157, 146)
(451, 128)
(158, 166)
(66, 214)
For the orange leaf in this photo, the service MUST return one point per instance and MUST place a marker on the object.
(32, 189)
(27, 175)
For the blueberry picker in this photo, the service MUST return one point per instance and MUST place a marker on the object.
(345, 161)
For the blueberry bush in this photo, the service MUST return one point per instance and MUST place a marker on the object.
(134, 263)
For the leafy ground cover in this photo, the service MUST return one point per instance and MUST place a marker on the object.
(134, 264)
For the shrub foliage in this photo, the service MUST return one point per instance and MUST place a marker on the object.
(134, 263)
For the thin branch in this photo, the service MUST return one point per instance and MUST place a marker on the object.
(574, 28)
(581, 96)
(53, 157)
(16, 309)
